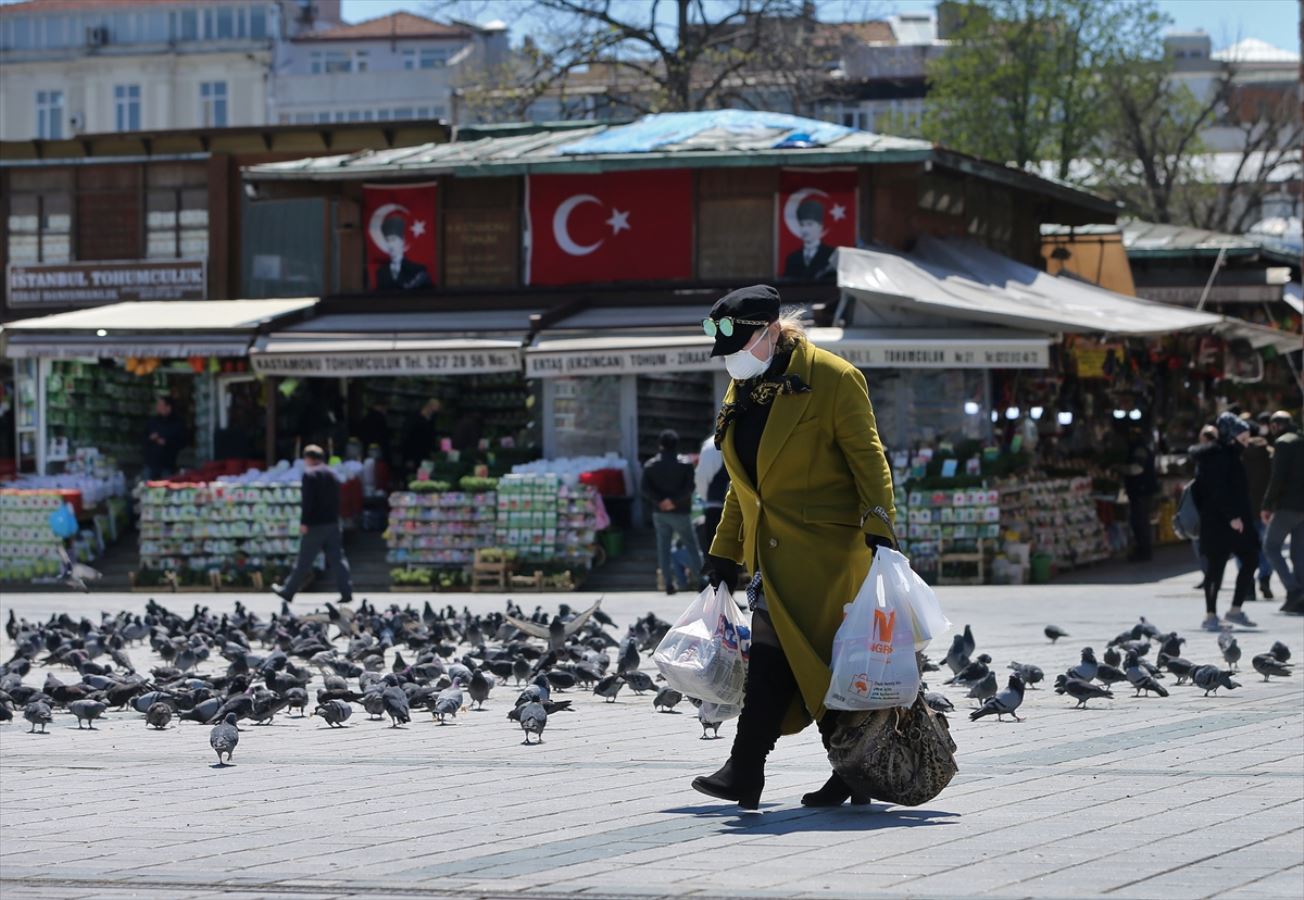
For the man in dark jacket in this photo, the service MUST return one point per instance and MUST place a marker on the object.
(1222, 493)
(164, 436)
(419, 435)
(1283, 509)
(668, 489)
(1141, 485)
(1258, 468)
(319, 528)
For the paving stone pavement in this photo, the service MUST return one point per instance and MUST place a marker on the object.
(1139, 797)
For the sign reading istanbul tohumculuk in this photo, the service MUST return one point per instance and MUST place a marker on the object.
(107, 282)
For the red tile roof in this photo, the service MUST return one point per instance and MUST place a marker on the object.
(395, 25)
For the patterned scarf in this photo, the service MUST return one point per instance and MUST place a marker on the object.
(759, 391)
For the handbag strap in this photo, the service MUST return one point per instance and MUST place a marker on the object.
(882, 514)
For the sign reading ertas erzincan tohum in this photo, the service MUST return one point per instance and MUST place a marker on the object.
(106, 282)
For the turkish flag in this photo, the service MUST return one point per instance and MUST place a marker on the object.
(817, 214)
(615, 226)
(400, 237)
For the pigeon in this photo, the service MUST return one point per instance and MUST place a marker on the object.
(1140, 679)
(1030, 674)
(968, 641)
(1085, 670)
(447, 703)
(1171, 644)
(1231, 651)
(1210, 678)
(478, 687)
(639, 682)
(90, 710)
(1182, 668)
(1280, 651)
(74, 574)
(560, 679)
(224, 737)
(334, 712)
(1112, 657)
(1054, 632)
(984, 689)
(1126, 637)
(374, 703)
(6, 714)
(939, 702)
(38, 713)
(973, 673)
(296, 698)
(396, 703)
(1004, 703)
(534, 718)
(521, 669)
(1109, 675)
(710, 717)
(666, 699)
(1265, 664)
(956, 658)
(609, 687)
(158, 716)
(1147, 629)
(1082, 691)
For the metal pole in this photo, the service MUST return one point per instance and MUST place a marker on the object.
(1208, 285)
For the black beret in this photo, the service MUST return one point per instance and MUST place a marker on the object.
(760, 303)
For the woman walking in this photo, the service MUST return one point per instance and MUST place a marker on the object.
(807, 471)
(1222, 493)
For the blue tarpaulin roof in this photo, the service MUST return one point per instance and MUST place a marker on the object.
(665, 129)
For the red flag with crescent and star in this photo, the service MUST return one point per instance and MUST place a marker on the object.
(616, 226)
(817, 214)
(400, 242)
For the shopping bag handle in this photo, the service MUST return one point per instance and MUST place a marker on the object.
(882, 514)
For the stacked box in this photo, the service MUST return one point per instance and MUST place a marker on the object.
(213, 526)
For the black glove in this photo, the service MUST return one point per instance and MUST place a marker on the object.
(874, 541)
(719, 570)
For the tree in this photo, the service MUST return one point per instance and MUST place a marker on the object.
(645, 56)
(1021, 80)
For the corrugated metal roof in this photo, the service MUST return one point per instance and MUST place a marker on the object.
(169, 315)
(1151, 239)
(727, 142)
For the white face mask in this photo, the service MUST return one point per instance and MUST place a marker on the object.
(744, 364)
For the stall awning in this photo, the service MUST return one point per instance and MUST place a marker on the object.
(960, 279)
(865, 348)
(435, 343)
(170, 329)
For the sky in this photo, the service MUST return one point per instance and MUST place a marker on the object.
(1274, 21)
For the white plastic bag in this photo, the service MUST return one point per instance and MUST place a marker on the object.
(704, 654)
(893, 615)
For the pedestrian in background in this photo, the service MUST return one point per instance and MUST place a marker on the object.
(1208, 435)
(1283, 509)
(807, 471)
(1141, 485)
(1226, 526)
(668, 490)
(1258, 469)
(711, 481)
(164, 438)
(419, 436)
(319, 528)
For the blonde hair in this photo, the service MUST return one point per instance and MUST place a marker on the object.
(792, 325)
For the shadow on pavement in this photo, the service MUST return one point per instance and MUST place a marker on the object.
(1169, 562)
(790, 821)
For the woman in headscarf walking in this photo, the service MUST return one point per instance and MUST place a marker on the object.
(807, 472)
(1222, 494)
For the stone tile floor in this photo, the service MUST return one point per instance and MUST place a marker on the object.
(1139, 797)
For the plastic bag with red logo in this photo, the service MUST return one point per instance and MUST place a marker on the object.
(893, 615)
(704, 654)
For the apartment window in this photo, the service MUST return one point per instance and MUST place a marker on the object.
(186, 25)
(257, 22)
(360, 60)
(323, 116)
(49, 115)
(40, 227)
(382, 115)
(425, 58)
(219, 24)
(126, 103)
(154, 27)
(212, 104)
(22, 34)
(176, 223)
(402, 113)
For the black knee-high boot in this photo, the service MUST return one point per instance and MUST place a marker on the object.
(835, 791)
(770, 689)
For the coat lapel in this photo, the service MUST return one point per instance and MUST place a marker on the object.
(785, 413)
(731, 461)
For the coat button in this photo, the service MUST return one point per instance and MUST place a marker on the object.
(773, 542)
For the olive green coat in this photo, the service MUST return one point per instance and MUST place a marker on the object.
(820, 469)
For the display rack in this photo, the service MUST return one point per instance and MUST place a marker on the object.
(441, 530)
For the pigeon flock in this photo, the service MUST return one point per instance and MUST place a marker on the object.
(1123, 663)
(394, 663)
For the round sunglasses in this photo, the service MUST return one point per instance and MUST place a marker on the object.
(725, 325)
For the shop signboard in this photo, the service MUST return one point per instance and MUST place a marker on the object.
(816, 215)
(612, 226)
(924, 354)
(480, 247)
(400, 237)
(388, 362)
(94, 283)
(619, 361)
